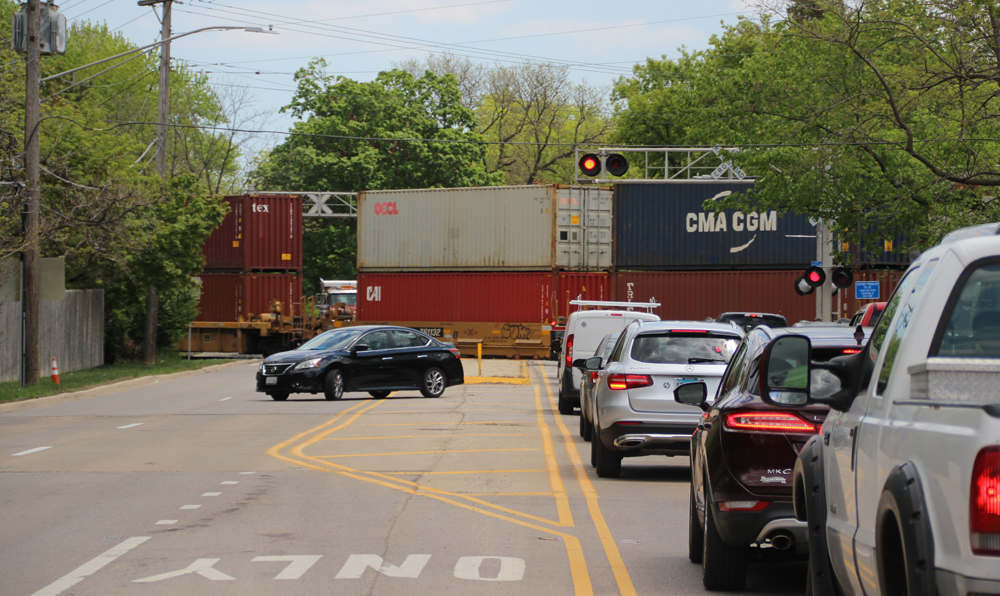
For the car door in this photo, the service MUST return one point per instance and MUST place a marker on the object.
(840, 442)
(411, 355)
(372, 367)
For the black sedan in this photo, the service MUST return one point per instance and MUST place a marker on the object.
(376, 359)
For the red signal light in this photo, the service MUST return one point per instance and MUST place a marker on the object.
(590, 164)
(814, 277)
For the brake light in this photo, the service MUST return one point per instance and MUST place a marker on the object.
(852, 351)
(984, 503)
(743, 505)
(688, 331)
(569, 351)
(770, 422)
(619, 382)
(455, 352)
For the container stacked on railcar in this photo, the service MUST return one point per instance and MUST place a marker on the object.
(490, 265)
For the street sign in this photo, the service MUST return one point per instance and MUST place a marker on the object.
(816, 264)
(866, 290)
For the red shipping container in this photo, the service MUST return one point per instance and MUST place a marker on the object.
(521, 297)
(699, 295)
(227, 296)
(260, 232)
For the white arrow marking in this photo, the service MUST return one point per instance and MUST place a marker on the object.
(203, 567)
(297, 564)
(740, 248)
(511, 569)
(356, 566)
(74, 577)
(30, 451)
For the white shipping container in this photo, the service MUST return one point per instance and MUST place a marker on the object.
(510, 228)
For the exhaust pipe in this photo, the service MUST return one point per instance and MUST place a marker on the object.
(629, 442)
(782, 540)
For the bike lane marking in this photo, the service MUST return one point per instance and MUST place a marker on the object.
(621, 574)
(93, 566)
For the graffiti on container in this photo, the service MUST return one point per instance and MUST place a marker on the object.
(515, 331)
(386, 208)
(717, 222)
(259, 208)
(374, 293)
(470, 332)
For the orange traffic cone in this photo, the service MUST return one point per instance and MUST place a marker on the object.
(55, 372)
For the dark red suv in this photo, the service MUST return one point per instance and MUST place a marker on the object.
(742, 457)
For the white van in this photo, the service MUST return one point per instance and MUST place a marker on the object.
(584, 330)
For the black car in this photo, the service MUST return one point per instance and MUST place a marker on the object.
(376, 359)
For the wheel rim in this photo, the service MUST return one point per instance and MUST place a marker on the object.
(338, 384)
(435, 382)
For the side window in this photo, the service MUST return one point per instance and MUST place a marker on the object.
(408, 339)
(616, 354)
(973, 328)
(905, 317)
(882, 327)
(376, 340)
(733, 371)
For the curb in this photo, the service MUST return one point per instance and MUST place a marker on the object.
(496, 380)
(114, 387)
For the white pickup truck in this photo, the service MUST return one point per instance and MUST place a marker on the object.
(901, 488)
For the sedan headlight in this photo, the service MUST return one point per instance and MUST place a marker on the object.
(308, 364)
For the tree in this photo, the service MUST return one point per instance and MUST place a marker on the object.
(533, 114)
(877, 116)
(398, 131)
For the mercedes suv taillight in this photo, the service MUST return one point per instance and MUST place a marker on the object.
(620, 382)
(984, 503)
(779, 422)
(569, 351)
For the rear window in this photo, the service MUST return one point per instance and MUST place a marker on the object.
(822, 383)
(684, 348)
(748, 322)
(973, 328)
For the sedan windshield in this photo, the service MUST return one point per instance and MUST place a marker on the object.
(331, 340)
(684, 348)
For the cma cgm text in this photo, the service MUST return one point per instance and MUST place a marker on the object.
(717, 222)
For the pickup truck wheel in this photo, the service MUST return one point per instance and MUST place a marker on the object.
(724, 567)
(696, 542)
(809, 499)
(904, 544)
(333, 385)
(279, 395)
(609, 463)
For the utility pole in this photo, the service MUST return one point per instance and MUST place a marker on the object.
(152, 300)
(31, 301)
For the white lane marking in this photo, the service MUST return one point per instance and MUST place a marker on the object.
(131, 425)
(30, 451)
(94, 565)
(356, 566)
(230, 482)
(297, 564)
(203, 567)
(190, 506)
(210, 494)
(511, 569)
(225, 399)
(166, 522)
(245, 473)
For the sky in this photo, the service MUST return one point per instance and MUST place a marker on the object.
(599, 39)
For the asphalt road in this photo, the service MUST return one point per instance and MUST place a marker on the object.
(199, 485)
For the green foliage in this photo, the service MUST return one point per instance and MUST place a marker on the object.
(876, 116)
(329, 250)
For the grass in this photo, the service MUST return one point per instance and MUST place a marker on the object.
(167, 362)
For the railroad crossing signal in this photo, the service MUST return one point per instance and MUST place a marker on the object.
(592, 164)
(814, 277)
(842, 277)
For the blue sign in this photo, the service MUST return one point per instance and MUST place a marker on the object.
(816, 264)
(866, 290)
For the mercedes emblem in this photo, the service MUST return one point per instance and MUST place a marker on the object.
(689, 368)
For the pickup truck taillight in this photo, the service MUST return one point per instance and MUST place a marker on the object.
(619, 382)
(569, 351)
(984, 503)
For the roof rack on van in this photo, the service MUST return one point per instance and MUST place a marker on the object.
(648, 306)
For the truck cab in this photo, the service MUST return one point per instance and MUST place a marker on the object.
(340, 295)
(903, 481)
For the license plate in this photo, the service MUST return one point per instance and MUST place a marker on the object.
(271, 381)
(685, 380)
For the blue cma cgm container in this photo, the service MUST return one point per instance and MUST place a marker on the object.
(662, 226)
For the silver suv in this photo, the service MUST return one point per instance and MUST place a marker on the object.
(634, 410)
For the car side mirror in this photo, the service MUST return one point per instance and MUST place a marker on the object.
(580, 363)
(785, 371)
(692, 394)
(593, 363)
(359, 348)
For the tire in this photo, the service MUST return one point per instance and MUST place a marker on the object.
(609, 463)
(433, 383)
(593, 446)
(696, 536)
(333, 385)
(588, 428)
(904, 541)
(379, 394)
(565, 407)
(724, 567)
(279, 395)
(583, 425)
(809, 500)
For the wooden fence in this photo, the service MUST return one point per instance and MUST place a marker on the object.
(72, 332)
